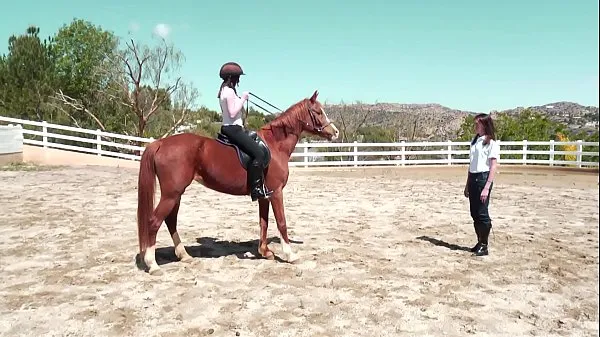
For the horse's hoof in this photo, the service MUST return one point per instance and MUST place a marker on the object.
(155, 272)
(186, 259)
(268, 255)
(293, 259)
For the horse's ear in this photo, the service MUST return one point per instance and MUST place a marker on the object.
(313, 98)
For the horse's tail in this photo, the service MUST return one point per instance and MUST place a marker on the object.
(146, 186)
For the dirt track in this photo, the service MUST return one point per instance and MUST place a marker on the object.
(374, 264)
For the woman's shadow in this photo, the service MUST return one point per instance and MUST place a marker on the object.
(210, 247)
(442, 243)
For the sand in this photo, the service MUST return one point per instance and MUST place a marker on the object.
(383, 253)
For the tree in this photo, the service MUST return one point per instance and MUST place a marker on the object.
(351, 118)
(26, 75)
(255, 119)
(137, 68)
(527, 125)
(81, 53)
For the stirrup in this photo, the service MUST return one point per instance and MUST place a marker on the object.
(260, 193)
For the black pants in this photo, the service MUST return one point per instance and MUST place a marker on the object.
(479, 210)
(238, 136)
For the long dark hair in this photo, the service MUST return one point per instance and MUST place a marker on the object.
(229, 81)
(488, 128)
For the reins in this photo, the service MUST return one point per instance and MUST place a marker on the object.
(253, 95)
(310, 112)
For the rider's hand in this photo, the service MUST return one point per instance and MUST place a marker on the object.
(245, 95)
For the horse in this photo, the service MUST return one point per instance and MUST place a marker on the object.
(180, 159)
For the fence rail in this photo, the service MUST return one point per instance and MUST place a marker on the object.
(551, 153)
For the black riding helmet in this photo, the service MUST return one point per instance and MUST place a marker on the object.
(230, 69)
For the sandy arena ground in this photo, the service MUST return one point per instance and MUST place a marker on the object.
(384, 254)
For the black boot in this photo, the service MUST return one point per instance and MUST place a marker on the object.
(483, 248)
(476, 247)
(256, 182)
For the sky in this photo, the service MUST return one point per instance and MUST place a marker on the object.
(464, 54)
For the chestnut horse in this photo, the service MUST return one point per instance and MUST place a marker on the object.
(179, 159)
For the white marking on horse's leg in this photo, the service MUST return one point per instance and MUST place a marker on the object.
(150, 260)
(180, 251)
(287, 251)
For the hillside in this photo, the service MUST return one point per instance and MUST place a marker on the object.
(437, 122)
(575, 116)
(412, 121)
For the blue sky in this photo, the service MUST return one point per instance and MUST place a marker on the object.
(465, 54)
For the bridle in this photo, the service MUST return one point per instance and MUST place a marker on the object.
(311, 112)
(313, 118)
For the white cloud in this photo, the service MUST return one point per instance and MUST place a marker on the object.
(162, 30)
(134, 26)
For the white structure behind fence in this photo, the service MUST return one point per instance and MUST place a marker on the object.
(11, 139)
(571, 153)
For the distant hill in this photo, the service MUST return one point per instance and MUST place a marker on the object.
(431, 121)
(575, 116)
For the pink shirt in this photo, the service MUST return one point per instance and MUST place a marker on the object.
(231, 107)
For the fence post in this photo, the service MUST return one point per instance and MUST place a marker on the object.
(355, 154)
(499, 150)
(305, 153)
(579, 153)
(449, 152)
(525, 152)
(551, 159)
(98, 139)
(403, 149)
(45, 133)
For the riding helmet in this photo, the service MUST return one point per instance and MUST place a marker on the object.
(230, 69)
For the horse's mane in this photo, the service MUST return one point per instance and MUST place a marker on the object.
(289, 118)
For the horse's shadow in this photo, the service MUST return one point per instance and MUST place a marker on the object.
(442, 243)
(210, 247)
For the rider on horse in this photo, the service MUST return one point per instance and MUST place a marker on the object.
(233, 128)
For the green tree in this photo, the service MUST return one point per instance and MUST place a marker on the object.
(82, 53)
(205, 122)
(26, 76)
(255, 119)
(526, 125)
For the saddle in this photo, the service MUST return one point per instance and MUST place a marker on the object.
(243, 157)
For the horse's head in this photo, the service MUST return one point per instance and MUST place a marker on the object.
(316, 122)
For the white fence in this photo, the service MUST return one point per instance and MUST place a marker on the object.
(99, 139)
(355, 154)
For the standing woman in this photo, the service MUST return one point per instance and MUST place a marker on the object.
(483, 164)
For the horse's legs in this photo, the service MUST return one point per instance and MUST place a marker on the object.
(171, 221)
(163, 209)
(263, 211)
(277, 203)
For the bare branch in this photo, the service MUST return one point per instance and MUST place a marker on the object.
(76, 105)
(155, 104)
(63, 110)
(186, 97)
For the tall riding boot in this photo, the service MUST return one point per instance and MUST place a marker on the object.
(256, 182)
(477, 232)
(484, 232)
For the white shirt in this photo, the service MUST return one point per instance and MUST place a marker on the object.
(231, 103)
(480, 155)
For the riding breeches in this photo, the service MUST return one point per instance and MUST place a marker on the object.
(479, 210)
(238, 136)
